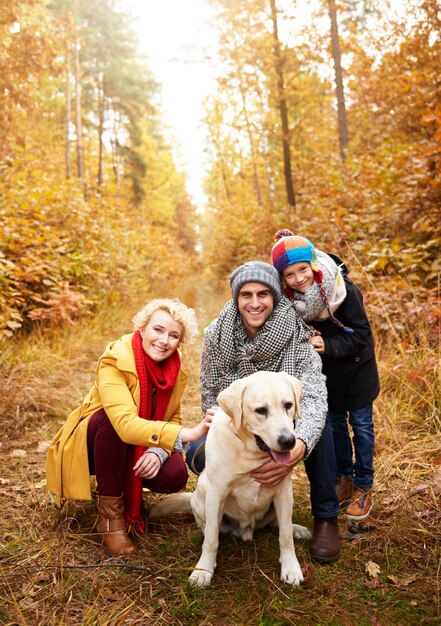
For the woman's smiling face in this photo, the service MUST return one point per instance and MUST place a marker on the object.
(161, 336)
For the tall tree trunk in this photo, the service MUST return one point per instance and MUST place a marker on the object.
(68, 112)
(114, 145)
(343, 135)
(252, 148)
(242, 88)
(283, 108)
(78, 124)
(221, 161)
(101, 105)
(265, 144)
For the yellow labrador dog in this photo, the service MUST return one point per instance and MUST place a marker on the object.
(254, 422)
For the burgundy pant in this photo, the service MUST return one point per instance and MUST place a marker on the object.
(107, 457)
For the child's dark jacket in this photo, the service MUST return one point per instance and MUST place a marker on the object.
(349, 359)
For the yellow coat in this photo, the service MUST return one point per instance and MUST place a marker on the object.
(116, 389)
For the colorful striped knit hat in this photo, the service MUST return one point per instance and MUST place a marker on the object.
(290, 248)
(328, 283)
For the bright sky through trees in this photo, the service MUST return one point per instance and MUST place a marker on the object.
(178, 40)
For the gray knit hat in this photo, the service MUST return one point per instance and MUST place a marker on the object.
(256, 272)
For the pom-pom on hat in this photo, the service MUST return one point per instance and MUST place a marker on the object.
(290, 248)
(256, 272)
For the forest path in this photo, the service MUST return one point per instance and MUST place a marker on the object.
(53, 570)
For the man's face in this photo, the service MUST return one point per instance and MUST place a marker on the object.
(255, 303)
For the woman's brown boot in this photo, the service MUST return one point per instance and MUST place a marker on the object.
(112, 526)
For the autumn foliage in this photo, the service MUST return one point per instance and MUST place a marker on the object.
(91, 200)
(90, 205)
(95, 218)
(383, 204)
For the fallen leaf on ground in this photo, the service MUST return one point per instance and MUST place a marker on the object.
(403, 582)
(391, 500)
(429, 514)
(27, 603)
(39, 485)
(42, 446)
(43, 577)
(373, 569)
(437, 481)
(418, 488)
(18, 454)
(113, 596)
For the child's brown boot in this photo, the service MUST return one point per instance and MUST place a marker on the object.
(361, 505)
(344, 489)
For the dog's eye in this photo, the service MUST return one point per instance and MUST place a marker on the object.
(288, 406)
(262, 410)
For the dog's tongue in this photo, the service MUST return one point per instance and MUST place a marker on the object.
(282, 458)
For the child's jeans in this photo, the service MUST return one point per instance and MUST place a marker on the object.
(362, 471)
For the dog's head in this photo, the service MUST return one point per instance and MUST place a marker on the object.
(265, 405)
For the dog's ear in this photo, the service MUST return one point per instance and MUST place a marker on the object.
(230, 401)
(297, 389)
(297, 393)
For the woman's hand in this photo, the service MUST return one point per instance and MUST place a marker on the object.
(271, 473)
(201, 429)
(148, 465)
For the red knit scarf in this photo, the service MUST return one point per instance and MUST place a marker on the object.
(163, 376)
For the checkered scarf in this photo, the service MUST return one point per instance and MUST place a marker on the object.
(280, 345)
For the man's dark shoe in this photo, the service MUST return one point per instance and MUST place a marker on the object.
(325, 542)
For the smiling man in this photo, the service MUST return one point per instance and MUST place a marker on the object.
(255, 303)
(259, 330)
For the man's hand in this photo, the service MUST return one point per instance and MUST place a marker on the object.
(271, 473)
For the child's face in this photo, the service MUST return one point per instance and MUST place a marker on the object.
(299, 276)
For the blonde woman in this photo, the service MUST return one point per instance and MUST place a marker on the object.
(128, 431)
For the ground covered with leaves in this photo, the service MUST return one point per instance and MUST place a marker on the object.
(54, 571)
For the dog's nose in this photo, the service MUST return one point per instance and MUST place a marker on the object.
(286, 440)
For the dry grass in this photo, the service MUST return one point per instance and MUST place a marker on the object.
(53, 570)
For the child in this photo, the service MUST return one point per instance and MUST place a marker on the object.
(327, 299)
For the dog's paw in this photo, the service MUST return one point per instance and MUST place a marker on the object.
(291, 574)
(300, 532)
(201, 578)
